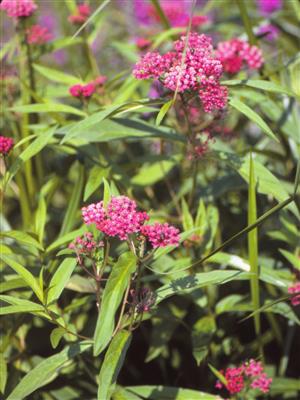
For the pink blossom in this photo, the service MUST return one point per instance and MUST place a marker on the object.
(100, 80)
(75, 90)
(6, 144)
(161, 235)
(120, 218)
(82, 90)
(268, 6)
(235, 52)
(85, 245)
(262, 383)
(88, 89)
(142, 43)
(18, 8)
(235, 380)
(38, 34)
(82, 13)
(295, 289)
(253, 368)
(194, 68)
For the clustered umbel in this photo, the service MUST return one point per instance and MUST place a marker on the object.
(236, 53)
(38, 34)
(81, 14)
(6, 144)
(295, 291)
(18, 8)
(86, 246)
(250, 375)
(87, 90)
(191, 66)
(120, 218)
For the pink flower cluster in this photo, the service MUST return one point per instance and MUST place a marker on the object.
(121, 218)
(18, 8)
(266, 7)
(295, 290)
(85, 245)
(142, 43)
(6, 144)
(194, 69)
(38, 34)
(161, 235)
(249, 375)
(87, 90)
(235, 53)
(82, 13)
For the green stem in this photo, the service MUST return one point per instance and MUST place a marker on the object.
(246, 20)
(164, 20)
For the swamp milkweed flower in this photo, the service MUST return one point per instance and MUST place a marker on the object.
(161, 235)
(82, 90)
(250, 375)
(6, 144)
(18, 8)
(82, 13)
(267, 7)
(236, 53)
(194, 68)
(295, 290)
(38, 34)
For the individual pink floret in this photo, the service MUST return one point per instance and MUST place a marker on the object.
(6, 144)
(161, 235)
(38, 34)
(93, 213)
(295, 289)
(253, 368)
(75, 90)
(18, 8)
(88, 89)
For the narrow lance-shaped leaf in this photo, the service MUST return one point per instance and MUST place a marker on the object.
(113, 361)
(25, 275)
(60, 279)
(46, 371)
(116, 285)
(253, 248)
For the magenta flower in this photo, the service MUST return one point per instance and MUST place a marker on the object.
(295, 290)
(85, 245)
(161, 235)
(120, 218)
(249, 375)
(82, 13)
(82, 90)
(267, 7)
(235, 53)
(195, 69)
(38, 34)
(6, 144)
(18, 8)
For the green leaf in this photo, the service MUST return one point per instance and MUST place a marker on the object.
(40, 218)
(67, 238)
(170, 393)
(34, 148)
(253, 116)
(187, 219)
(294, 260)
(24, 274)
(3, 373)
(21, 309)
(218, 374)
(11, 284)
(60, 279)
(113, 361)
(95, 179)
(117, 129)
(46, 371)
(253, 248)
(188, 283)
(56, 335)
(283, 385)
(107, 193)
(149, 174)
(163, 111)
(57, 76)
(48, 108)
(22, 237)
(116, 285)
(202, 333)
(259, 84)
